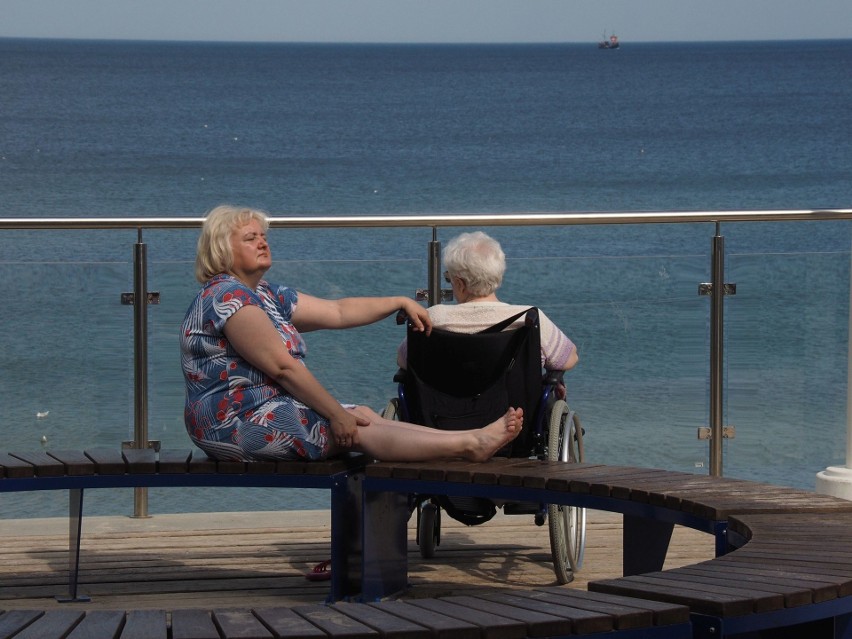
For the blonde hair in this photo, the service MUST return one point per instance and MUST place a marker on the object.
(478, 259)
(214, 254)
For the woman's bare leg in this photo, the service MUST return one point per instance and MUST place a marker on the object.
(390, 440)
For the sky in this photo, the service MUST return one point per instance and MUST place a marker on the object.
(427, 21)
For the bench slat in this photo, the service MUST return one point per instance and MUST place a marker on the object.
(13, 621)
(291, 467)
(335, 622)
(622, 615)
(43, 464)
(173, 461)
(75, 461)
(792, 596)
(842, 558)
(193, 624)
(140, 461)
(15, 468)
(261, 467)
(240, 624)
(818, 589)
(145, 624)
(384, 621)
(491, 626)
(52, 624)
(440, 626)
(108, 461)
(347, 463)
(540, 618)
(804, 525)
(286, 624)
(98, 624)
(663, 613)
(231, 467)
(597, 479)
(202, 463)
(793, 562)
(760, 599)
(719, 602)
(723, 505)
(513, 471)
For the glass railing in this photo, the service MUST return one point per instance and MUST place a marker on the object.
(628, 294)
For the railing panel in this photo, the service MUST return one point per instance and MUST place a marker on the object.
(786, 364)
(67, 374)
(627, 294)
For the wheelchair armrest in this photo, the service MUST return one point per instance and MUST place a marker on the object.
(553, 377)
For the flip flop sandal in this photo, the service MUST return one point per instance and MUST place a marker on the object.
(320, 572)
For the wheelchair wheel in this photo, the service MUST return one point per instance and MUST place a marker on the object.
(567, 524)
(428, 529)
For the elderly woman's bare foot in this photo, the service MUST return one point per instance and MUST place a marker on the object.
(491, 438)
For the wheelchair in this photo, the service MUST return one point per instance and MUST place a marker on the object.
(455, 380)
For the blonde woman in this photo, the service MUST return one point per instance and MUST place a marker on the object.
(249, 394)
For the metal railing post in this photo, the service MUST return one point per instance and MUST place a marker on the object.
(140, 363)
(717, 326)
(434, 281)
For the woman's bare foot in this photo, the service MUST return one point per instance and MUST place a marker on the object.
(497, 434)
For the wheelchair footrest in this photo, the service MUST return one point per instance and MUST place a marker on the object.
(522, 508)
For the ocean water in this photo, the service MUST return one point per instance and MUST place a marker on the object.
(172, 129)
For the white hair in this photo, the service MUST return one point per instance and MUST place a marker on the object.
(478, 259)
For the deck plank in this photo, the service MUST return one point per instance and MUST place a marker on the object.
(258, 560)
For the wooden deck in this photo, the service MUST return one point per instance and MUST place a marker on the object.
(221, 560)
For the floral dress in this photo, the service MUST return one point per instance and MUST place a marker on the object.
(233, 410)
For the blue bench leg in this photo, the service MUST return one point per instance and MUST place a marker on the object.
(346, 541)
(385, 561)
(75, 532)
(843, 627)
(646, 542)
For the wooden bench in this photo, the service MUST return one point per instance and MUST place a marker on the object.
(546, 612)
(784, 556)
(77, 471)
(794, 570)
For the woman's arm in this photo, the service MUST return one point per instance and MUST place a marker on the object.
(572, 360)
(559, 351)
(314, 313)
(251, 333)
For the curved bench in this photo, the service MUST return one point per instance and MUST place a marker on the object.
(784, 556)
(795, 569)
(545, 612)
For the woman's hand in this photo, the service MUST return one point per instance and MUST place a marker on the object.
(417, 315)
(344, 428)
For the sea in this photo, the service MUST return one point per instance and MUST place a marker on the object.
(165, 129)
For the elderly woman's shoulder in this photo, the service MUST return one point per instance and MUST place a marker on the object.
(439, 311)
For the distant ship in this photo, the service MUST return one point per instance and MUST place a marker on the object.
(608, 43)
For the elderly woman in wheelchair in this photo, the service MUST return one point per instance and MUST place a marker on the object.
(481, 356)
(475, 265)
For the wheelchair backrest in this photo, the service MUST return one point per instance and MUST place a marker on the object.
(462, 380)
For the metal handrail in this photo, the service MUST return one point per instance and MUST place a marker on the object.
(398, 221)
